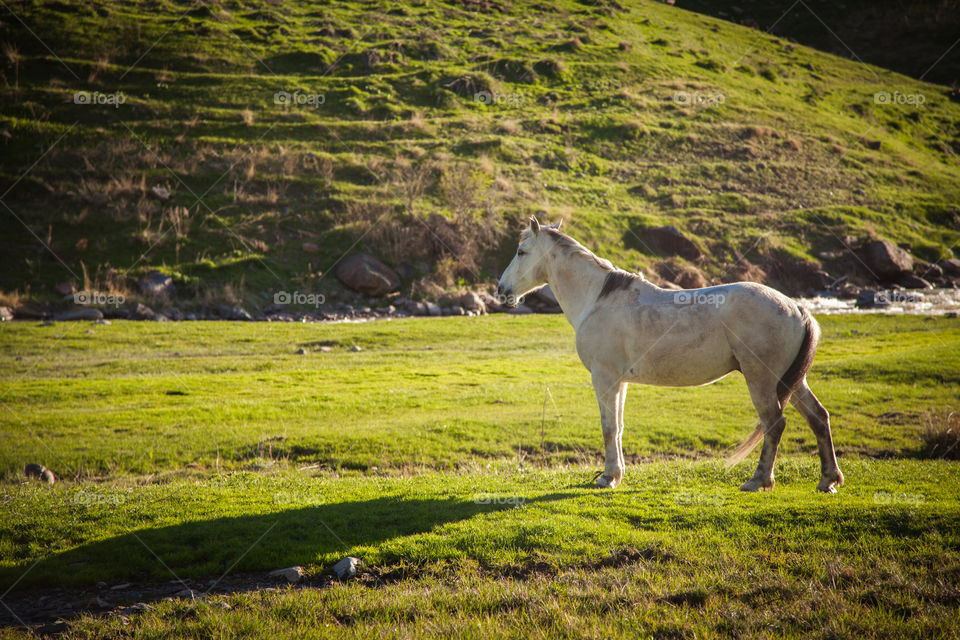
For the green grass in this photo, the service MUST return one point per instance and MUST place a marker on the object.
(147, 398)
(588, 130)
(427, 455)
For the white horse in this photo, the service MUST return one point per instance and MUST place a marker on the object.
(629, 330)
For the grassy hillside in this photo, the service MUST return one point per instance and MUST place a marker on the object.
(423, 131)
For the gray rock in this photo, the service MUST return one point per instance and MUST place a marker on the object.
(347, 567)
(157, 284)
(433, 309)
(885, 260)
(670, 241)
(355, 348)
(142, 312)
(234, 313)
(951, 266)
(83, 313)
(34, 470)
(160, 193)
(910, 281)
(102, 321)
(367, 275)
(520, 310)
(491, 304)
(301, 352)
(292, 574)
(472, 302)
(6, 314)
(160, 317)
(869, 299)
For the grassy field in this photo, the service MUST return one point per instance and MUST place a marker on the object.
(454, 457)
(414, 125)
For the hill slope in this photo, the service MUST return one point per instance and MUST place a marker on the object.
(291, 134)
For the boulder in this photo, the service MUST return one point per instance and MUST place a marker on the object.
(885, 260)
(433, 309)
(520, 309)
(911, 281)
(156, 284)
(543, 300)
(367, 275)
(83, 313)
(951, 266)
(292, 574)
(492, 304)
(34, 470)
(234, 313)
(346, 567)
(669, 241)
(870, 299)
(472, 302)
(142, 312)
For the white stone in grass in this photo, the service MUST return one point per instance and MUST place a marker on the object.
(292, 574)
(355, 348)
(347, 567)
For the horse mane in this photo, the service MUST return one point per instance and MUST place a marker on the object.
(616, 278)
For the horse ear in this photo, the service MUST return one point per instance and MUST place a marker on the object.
(534, 225)
(557, 226)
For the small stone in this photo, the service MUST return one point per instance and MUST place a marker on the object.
(185, 593)
(355, 348)
(347, 567)
(433, 309)
(301, 352)
(6, 314)
(117, 587)
(326, 349)
(101, 585)
(160, 193)
(292, 574)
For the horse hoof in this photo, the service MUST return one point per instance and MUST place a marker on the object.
(755, 485)
(828, 488)
(607, 482)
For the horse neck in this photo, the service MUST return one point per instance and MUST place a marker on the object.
(575, 281)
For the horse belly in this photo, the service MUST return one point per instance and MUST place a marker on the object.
(682, 364)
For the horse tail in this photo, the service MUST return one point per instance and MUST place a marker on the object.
(801, 364)
(787, 384)
(744, 449)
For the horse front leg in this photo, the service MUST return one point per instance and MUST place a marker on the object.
(609, 388)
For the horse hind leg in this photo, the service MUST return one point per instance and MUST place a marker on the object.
(763, 393)
(819, 420)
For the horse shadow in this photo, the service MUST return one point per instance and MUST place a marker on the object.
(217, 546)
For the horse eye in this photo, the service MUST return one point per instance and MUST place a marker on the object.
(521, 253)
